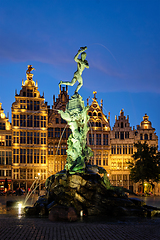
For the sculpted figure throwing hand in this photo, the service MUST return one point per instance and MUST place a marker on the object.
(81, 65)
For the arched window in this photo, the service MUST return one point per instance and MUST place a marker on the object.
(90, 114)
(146, 136)
(94, 114)
(99, 114)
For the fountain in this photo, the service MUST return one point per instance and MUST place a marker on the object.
(82, 189)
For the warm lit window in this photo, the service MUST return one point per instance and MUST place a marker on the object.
(22, 137)
(36, 137)
(36, 156)
(22, 120)
(29, 155)
(98, 139)
(15, 155)
(43, 121)
(98, 158)
(105, 159)
(43, 156)
(15, 120)
(29, 121)
(2, 140)
(29, 138)
(50, 149)
(91, 139)
(57, 132)
(22, 155)
(105, 139)
(36, 121)
(63, 150)
(22, 173)
(50, 132)
(43, 138)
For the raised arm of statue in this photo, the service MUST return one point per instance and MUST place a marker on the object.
(82, 49)
(65, 115)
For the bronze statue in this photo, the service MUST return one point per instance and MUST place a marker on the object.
(82, 63)
(30, 68)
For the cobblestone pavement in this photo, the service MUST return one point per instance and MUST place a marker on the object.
(41, 228)
(14, 226)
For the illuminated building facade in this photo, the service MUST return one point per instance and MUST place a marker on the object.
(29, 134)
(5, 150)
(58, 133)
(99, 134)
(34, 146)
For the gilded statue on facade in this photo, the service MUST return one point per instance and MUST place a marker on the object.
(82, 63)
(30, 69)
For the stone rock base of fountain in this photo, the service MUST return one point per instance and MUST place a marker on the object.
(70, 195)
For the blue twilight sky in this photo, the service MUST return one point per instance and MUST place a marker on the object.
(123, 52)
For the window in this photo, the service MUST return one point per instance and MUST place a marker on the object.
(2, 126)
(69, 131)
(57, 152)
(98, 158)
(121, 135)
(124, 149)
(146, 136)
(2, 157)
(23, 156)
(36, 105)
(15, 120)
(113, 149)
(63, 150)
(43, 138)
(105, 159)
(43, 121)
(43, 156)
(29, 121)
(57, 120)
(90, 114)
(91, 139)
(22, 173)
(8, 140)
(57, 132)
(130, 149)
(29, 105)
(8, 173)
(15, 155)
(29, 155)
(15, 173)
(150, 136)
(36, 156)
(141, 136)
(2, 140)
(15, 137)
(23, 137)
(22, 120)
(121, 124)
(36, 137)
(126, 134)
(8, 158)
(50, 132)
(29, 93)
(98, 139)
(63, 132)
(119, 149)
(50, 149)
(29, 173)
(22, 104)
(29, 138)
(116, 134)
(105, 139)
(36, 121)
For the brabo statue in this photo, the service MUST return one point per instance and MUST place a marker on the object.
(81, 65)
(76, 116)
